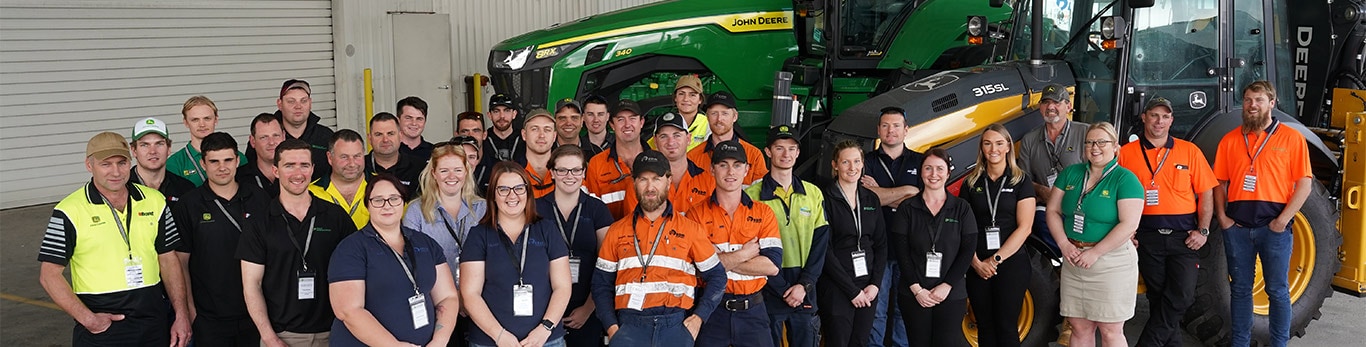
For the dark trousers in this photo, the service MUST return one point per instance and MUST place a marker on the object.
(461, 334)
(1169, 270)
(996, 302)
(588, 335)
(636, 329)
(210, 332)
(131, 331)
(843, 325)
(803, 327)
(737, 327)
(938, 326)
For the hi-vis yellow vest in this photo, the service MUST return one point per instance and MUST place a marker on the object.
(98, 260)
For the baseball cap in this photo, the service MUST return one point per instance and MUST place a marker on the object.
(465, 140)
(781, 132)
(149, 125)
(729, 149)
(501, 99)
(295, 84)
(690, 81)
(670, 119)
(1158, 101)
(720, 98)
(650, 161)
(595, 99)
(626, 105)
(107, 144)
(1056, 92)
(539, 112)
(568, 102)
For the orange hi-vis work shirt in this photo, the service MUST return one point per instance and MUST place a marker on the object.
(652, 264)
(1173, 177)
(609, 179)
(758, 166)
(729, 232)
(1254, 201)
(540, 184)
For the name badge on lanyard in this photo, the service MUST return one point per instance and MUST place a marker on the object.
(933, 261)
(860, 263)
(418, 305)
(1079, 222)
(1150, 196)
(132, 271)
(1250, 180)
(522, 300)
(993, 238)
(306, 285)
(574, 268)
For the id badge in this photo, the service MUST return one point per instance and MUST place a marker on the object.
(132, 272)
(1053, 177)
(860, 263)
(418, 304)
(993, 238)
(1150, 197)
(1249, 182)
(1078, 222)
(933, 260)
(306, 289)
(522, 300)
(635, 301)
(574, 269)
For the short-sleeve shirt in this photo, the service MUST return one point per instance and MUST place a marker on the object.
(758, 166)
(406, 169)
(186, 163)
(1043, 158)
(449, 231)
(210, 234)
(364, 256)
(609, 178)
(422, 153)
(1284, 160)
(731, 231)
(540, 184)
(1178, 171)
(672, 277)
(1101, 204)
(353, 206)
(501, 256)
(698, 131)
(579, 229)
(277, 243)
(251, 175)
(172, 186)
(1005, 196)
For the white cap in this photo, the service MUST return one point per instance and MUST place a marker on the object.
(149, 125)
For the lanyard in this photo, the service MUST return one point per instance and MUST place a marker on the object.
(1086, 176)
(460, 225)
(351, 212)
(635, 239)
(197, 169)
(1252, 158)
(127, 224)
(938, 226)
(1152, 181)
(568, 239)
(229, 215)
(1055, 154)
(494, 144)
(858, 218)
(621, 175)
(993, 203)
(887, 169)
(540, 182)
(401, 262)
(526, 238)
(303, 251)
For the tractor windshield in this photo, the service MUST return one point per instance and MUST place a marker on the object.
(1071, 32)
(1172, 54)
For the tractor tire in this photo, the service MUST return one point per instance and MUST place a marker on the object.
(1039, 314)
(1312, 265)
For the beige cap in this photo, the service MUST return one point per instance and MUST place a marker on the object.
(690, 81)
(105, 145)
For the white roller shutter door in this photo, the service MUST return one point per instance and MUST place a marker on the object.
(70, 69)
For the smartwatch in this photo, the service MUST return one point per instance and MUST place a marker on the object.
(549, 326)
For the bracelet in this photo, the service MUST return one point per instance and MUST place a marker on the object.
(500, 336)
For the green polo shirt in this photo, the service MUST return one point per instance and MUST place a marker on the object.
(185, 163)
(1101, 205)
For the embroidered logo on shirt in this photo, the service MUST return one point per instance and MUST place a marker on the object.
(208, 217)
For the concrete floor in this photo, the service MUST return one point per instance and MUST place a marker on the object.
(28, 318)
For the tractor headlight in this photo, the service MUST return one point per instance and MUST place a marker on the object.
(977, 25)
(1110, 26)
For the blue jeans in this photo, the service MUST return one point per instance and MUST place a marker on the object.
(1242, 247)
(642, 330)
(888, 311)
(558, 342)
(803, 328)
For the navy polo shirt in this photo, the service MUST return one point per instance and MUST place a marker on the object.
(888, 172)
(592, 215)
(501, 256)
(364, 256)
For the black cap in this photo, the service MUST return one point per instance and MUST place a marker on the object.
(568, 102)
(1158, 101)
(501, 99)
(1056, 92)
(595, 99)
(650, 161)
(730, 149)
(670, 119)
(720, 98)
(781, 132)
(465, 140)
(626, 105)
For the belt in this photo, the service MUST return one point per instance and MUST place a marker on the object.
(1080, 244)
(1163, 231)
(741, 302)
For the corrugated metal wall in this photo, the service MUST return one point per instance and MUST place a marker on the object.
(69, 69)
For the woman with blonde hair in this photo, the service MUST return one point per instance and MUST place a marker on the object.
(447, 209)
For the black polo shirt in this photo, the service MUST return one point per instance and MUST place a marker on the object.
(1010, 194)
(172, 186)
(272, 244)
(952, 232)
(590, 214)
(406, 169)
(210, 237)
(422, 153)
(888, 172)
(590, 149)
(498, 149)
(250, 175)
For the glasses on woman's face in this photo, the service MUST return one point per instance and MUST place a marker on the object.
(569, 171)
(1097, 143)
(520, 189)
(392, 200)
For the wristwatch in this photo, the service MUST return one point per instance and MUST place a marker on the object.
(1204, 231)
(549, 326)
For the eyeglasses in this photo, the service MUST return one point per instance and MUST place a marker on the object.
(519, 189)
(566, 172)
(1098, 143)
(395, 200)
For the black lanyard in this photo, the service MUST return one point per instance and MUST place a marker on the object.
(352, 212)
(235, 224)
(460, 224)
(938, 225)
(621, 175)
(568, 238)
(127, 225)
(1152, 181)
(1055, 154)
(635, 239)
(526, 238)
(1086, 176)
(494, 144)
(1252, 158)
(993, 203)
(303, 251)
(858, 218)
(401, 262)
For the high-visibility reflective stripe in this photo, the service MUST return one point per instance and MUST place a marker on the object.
(738, 277)
(711, 262)
(768, 242)
(646, 288)
(659, 261)
(608, 266)
(613, 197)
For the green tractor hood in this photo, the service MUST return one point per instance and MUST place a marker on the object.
(653, 16)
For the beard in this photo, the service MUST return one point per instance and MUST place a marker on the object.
(651, 203)
(1254, 122)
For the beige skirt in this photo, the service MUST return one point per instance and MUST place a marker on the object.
(1105, 292)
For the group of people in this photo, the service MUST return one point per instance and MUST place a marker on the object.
(587, 227)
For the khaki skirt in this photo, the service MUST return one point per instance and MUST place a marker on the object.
(1105, 292)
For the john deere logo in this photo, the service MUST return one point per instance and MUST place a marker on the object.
(567, 100)
(208, 216)
(784, 129)
(149, 122)
(1105, 193)
(668, 117)
(94, 219)
(950, 220)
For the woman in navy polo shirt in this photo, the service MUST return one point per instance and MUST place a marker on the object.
(390, 285)
(582, 221)
(514, 268)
